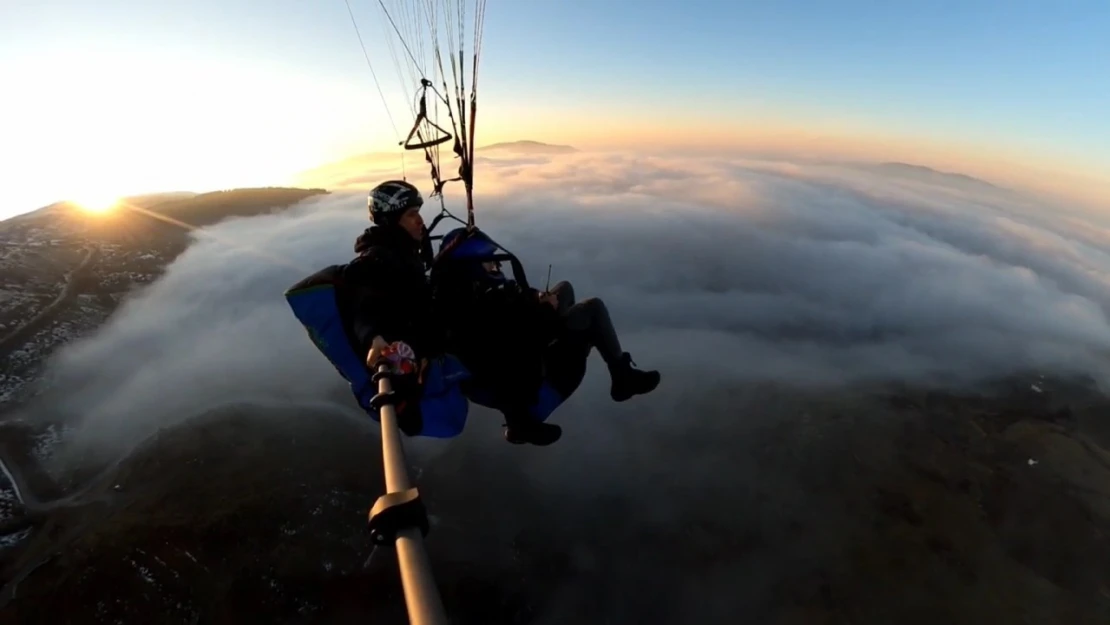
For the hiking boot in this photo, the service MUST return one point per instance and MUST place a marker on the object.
(629, 381)
(533, 433)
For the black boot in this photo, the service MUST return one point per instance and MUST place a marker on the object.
(519, 431)
(629, 381)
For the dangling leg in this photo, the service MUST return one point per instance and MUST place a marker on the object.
(519, 389)
(590, 317)
(521, 428)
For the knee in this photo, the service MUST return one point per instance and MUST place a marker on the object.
(564, 289)
(564, 293)
(593, 304)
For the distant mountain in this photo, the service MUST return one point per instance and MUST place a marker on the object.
(930, 175)
(529, 147)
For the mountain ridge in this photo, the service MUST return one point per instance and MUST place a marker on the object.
(929, 174)
(530, 147)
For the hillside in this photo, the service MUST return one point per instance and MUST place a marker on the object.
(142, 201)
(209, 208)
(63, 271)
(855, 507)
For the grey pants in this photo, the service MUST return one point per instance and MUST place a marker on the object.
(590, 318)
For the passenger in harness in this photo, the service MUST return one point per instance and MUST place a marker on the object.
(526, 350)
(378, 308)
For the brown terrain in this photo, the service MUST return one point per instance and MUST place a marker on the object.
(848, 508)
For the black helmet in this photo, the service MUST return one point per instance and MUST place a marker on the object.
(389, 200)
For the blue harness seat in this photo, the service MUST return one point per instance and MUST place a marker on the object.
(318, 303)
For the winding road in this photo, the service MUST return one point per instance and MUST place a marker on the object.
(12, 341)
(22, 516)
(73, 278)
(11, 480)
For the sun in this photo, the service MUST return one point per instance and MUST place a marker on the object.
(97, 204)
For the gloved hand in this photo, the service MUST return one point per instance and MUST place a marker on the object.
(401, 359)
(398, 355)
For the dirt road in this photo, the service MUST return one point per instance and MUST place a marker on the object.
(16, 337)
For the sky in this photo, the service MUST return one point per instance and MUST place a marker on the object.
(774, 298)
(122, 97)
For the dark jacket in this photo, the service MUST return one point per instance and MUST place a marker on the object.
(389, 292)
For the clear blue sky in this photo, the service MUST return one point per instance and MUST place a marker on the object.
(991, 72)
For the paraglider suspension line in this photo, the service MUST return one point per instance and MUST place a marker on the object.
(464, 151)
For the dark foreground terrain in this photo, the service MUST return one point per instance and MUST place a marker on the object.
(780, 507)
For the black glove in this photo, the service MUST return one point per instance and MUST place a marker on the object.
(408, 390)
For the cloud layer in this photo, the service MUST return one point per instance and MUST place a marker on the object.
(739, 270)
(728, 275)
